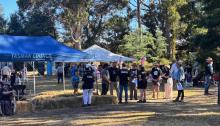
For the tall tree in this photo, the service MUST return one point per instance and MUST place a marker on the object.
(208, 43)
(16, 24)
(170, 8)
(3, 22)
(136, 48)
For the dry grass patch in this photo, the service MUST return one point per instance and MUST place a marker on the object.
(114, 118)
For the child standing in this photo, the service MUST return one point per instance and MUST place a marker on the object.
(75, 83)
(180, 80)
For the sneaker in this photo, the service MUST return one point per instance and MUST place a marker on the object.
(119, 102)
(140, 101)
(126, 102)
(175, 100)
(89, 104)
(144, 101)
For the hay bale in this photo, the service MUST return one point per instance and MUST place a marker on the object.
(104, 99)
(69, 102)
(23, 106)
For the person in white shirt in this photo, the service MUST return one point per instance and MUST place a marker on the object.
(6, 73)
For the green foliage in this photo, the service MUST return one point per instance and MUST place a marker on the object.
(160, 46)
(164, 61)
(138, 44)
(207, 40)
(16, 24)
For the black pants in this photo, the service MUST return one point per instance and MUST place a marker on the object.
(60, 77)
(104, 88)
(180, 92)
(5, 77)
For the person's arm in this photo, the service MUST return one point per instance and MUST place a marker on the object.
(7, 92)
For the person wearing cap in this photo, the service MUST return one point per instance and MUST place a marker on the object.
(133, 81)
(88, 83)
(123, 83)
(156, 74)
(208, 74)
(179, 82)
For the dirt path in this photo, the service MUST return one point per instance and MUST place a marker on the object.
(197, 110)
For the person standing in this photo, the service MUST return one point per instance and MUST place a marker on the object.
(208, 74)
(133, 81)
(142, 84)
(13, 78)
(180, 81)
(75, 83)
(165, 75)
(60, 74)
(113, 73)
(123, 83)
(174, 71)
(168, 82)
(155, 74)
(105, 79)
(88, 83)
(6, 73)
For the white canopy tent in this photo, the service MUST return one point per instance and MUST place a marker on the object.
(103, 55)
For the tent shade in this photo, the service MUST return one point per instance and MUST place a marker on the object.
(34, 48)
(103, 55)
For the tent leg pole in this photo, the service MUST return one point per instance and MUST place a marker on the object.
(34, 78)
(64, 78)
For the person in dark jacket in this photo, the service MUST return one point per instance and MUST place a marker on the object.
(123, 83)
(156, 74)
(142, 84)
(133, 82)
(113, 73)
(6, 104)
(105, 79)
(88, 83)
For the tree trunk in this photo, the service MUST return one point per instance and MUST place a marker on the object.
(139, 13)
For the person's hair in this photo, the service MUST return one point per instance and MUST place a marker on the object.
(123, 65)
(105, 65)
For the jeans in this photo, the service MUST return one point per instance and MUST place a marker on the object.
(104, 88)
(133, 91)
(121, 88)
(60, 77)
(207, 83)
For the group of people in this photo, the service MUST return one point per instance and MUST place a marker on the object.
(10, 86)
(120, 78)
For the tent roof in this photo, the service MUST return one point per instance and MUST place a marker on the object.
(33, 48)
(103, 55)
